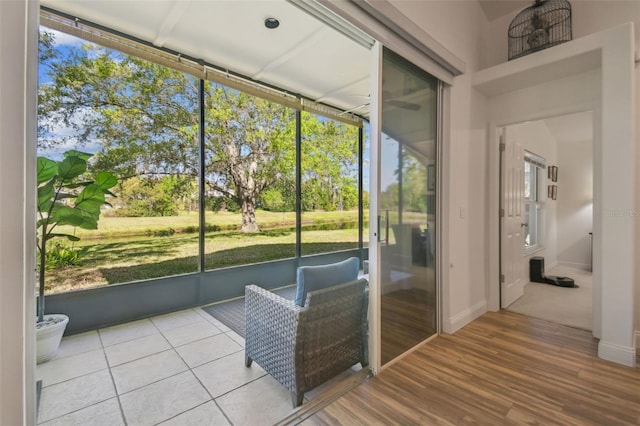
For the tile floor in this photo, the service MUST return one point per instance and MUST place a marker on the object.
(184, 368)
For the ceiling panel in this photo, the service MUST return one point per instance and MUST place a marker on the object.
(326, 65)
(302, 56)
(234, 36)
(136, 18)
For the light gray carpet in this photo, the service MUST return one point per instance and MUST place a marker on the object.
(567, 306)
(231, 313)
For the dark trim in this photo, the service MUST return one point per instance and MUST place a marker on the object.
(203, 199)
(437, 240)
(360, 186)
(400, 180)
(38, 395)
(298, 183)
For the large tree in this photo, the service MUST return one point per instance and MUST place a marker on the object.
(329, 164)
(142, 118)
(250, 146)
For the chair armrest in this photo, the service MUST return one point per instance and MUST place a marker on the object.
(273, 335)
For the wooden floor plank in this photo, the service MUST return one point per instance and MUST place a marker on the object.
(503, 368)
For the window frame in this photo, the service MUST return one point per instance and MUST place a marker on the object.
(536, 202)
(129, 46)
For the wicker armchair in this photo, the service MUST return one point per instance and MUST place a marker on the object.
(303, 347)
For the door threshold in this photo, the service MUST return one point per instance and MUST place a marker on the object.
(309, 408)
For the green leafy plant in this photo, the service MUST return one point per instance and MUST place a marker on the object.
(64, 198)
(60, 256)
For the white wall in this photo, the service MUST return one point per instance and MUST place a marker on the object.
(456, 25)
(609, 91)
(588, 17)
(536, 138)
(469, 250)
(530, 104)
(18, 79)
(575, 202)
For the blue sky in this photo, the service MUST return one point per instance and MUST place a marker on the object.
(63, 43)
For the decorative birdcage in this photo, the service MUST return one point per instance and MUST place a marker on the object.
(544, 24)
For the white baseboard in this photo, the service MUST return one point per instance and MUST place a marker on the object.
(625, 355)
(456, 322)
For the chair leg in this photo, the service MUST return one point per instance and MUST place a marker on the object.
(247, 360)
(296, 398)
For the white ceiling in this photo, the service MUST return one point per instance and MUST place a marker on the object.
(302, 56)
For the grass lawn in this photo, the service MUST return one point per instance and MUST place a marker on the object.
(113, 226)
(124, 249)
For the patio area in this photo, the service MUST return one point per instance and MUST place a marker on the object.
(176, 369)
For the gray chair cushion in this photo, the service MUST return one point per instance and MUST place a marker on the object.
(310, 278)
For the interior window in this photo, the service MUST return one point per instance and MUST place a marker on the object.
(533, 204)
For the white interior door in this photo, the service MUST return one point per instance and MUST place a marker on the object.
(513, 271)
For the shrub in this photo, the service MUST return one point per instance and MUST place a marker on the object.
(60, 256)
(331, 226)
(165, 232)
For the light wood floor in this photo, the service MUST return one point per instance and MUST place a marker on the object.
(503, 368)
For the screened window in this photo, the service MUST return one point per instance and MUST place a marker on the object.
(329, 191)
(250, 162)
(138, 120)
(207, 172)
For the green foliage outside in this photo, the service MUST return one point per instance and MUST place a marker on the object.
(145, 116)
(61, 256)
(144, 120)
(66, 197)
(414, 188)
(125, 249)
(156, 196)
(274, 200)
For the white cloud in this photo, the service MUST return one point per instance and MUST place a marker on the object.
(59, 128)
(70, 136)
(64, 39)
(56, 153)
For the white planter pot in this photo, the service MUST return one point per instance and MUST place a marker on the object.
(48, 338)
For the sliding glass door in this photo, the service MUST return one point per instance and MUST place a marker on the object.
(407, 206)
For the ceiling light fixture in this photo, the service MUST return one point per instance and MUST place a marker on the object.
(271, 23)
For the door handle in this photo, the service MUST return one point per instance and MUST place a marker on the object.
(524, 225)
(384, 218)
(386, 236)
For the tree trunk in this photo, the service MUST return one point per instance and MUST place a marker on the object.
(249, 215)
